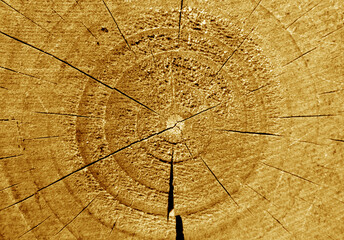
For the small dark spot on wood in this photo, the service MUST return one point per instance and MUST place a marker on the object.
(196, 28)
(98, 43)
(104, 29)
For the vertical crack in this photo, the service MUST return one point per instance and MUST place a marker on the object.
(170, 206)
(179, 228)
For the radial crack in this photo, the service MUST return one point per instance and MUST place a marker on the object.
(333, 91)
(337, 140)
(93, 162)
(113, 18)
(87, 165)
(13, 185)
(267, 84)
(196, 114)
(113, 226)
(12, 70)
(57, 14)
(254, 9)
(290, 173)
(254, 190)
(37, 138)
(253, 133)
(33, 227)
(81, 71)
(187, 147)
(25, 74)
(278, 221)
(302, 55)
(256, 89)
(13, 156)
(308, 116)
(333, 31)
(302, 15)
(89, 30)
(76, 215)
(67, 114)
(25, 16)
(180, 18)
(231, 55)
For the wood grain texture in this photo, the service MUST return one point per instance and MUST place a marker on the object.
(113, 113)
